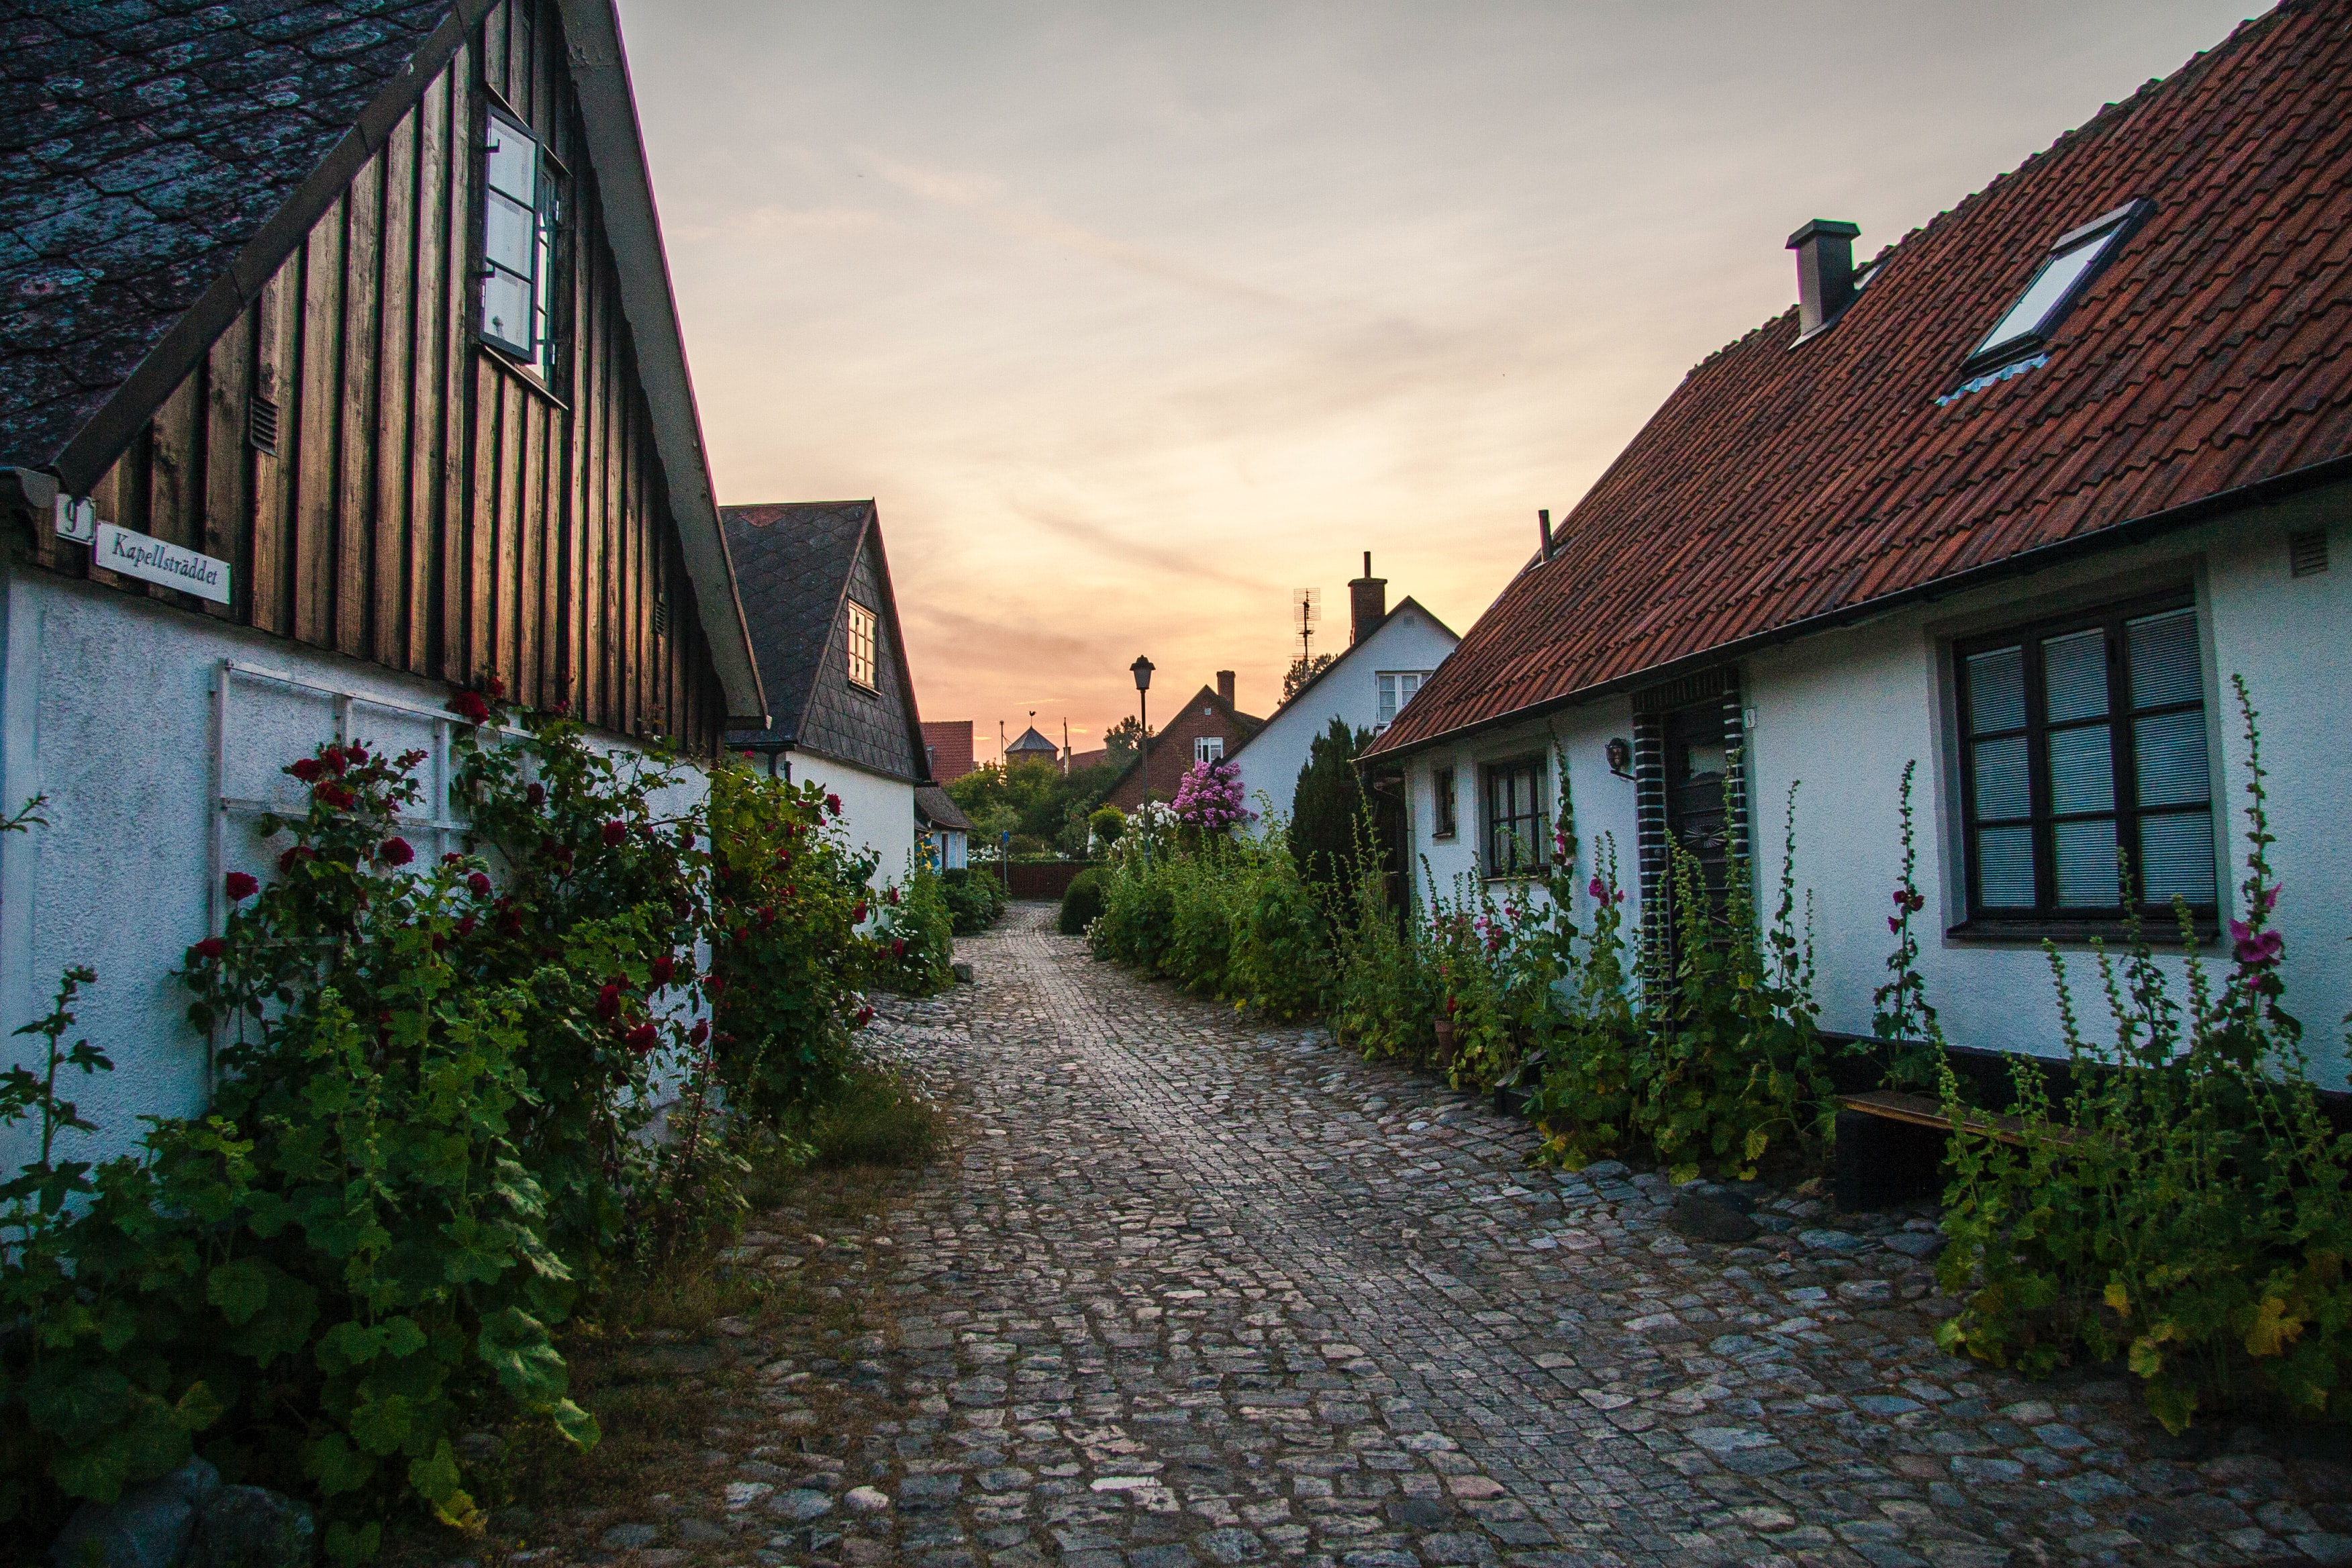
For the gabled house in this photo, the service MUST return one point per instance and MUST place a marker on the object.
(1205, 729)
(1029, 746)
(816, 593)
(2018, 501)
(339, 365)
(947, 742)
(945, 832)
(1390, 654)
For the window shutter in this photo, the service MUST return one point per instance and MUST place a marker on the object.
(514, 244)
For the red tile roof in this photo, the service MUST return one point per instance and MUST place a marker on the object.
(1776, 489)
(949, 741)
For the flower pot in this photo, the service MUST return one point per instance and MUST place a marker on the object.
(1445, 1043)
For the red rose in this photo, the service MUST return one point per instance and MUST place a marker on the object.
(791, 891)
(784, 857)
(615, 831)
(714, 985)
(642, 1038)
(864, 1016)
(292, 858)
(833, 804)
(355, 755)
(608, 1000)
(535, 795)
(440, 941)
(469, 706)
(394, 852)
(331, 794)
(493, 685)
(898, 947)
(892, 894)
(451, 857)
(685, 837)
(857, 912)
(306, 769)
(700, 1033)
(466, 926)
(333, 757)
(480, 882)
(663, 968)
(210, 947)
(239, 884)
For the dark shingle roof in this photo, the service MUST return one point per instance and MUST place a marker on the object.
(1030, 741)
(791, 563)
(934, 805)
(1778, 489)
(143, 145)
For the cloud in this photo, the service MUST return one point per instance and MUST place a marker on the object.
(985, 198)
(1125, 547)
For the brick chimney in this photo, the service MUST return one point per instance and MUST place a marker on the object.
(1367, 601)
(1225, 686)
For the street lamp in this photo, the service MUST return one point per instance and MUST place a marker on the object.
(1141, 670)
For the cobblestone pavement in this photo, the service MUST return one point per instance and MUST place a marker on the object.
(1199, 1291)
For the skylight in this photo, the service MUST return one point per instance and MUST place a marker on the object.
(2071, 265)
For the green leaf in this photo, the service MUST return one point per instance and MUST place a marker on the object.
(516, 1345)
(74, 1402)
(283, 1324)
(240, 1288)
(579, 1428)
(96, 1470)
(381, 1426)
(198, 1408)
(402, 1337)
(337, 1468)
(349, 1544)
(437, 1480)
(348, 1345)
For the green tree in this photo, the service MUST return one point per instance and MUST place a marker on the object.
(1122, 740)
(1328, 806)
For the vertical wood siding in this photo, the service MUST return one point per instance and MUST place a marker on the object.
(430, 507)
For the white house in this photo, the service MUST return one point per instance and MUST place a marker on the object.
(283, 457)
(1390, 653)
(945, 831)
(2019, 504)
(816, 593)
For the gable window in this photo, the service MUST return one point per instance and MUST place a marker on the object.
(1443, 823)
(1396, 688)
(1515, 820)
(520, 209)
(861, 646)
(1208, 748)
(2083, 741)
(2076, 258)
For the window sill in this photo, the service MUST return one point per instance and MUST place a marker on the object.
(1442, 838)
(2163, 932)
(525, 374)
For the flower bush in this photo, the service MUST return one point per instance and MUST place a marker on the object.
(434, 1073)
(914, 934)
(1209, 797)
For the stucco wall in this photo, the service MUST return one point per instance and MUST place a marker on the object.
(1271, 761)
(107, 707)
(877, 812)
(1844, 711)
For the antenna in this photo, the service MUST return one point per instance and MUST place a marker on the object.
(1308, 603)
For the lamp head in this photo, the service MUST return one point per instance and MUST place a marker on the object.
(1141, 669)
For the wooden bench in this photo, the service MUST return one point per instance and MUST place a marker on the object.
(1876, 1170)
(1923, 1110)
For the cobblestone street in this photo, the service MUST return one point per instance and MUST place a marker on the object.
(1198, 1292)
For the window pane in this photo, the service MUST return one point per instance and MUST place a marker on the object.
(514, 163)
(1997, 690)
(2163, 660)
(2003, 788)
(505, 310)
(1388, 697)
(2005, 867)
(2074, 676)
(509, 233)
(2058, 274)
(2089, 875)
(2177, 857)
(2082, 770)
(2171, 758)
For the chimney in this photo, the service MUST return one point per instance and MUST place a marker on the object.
(1824, 250)
(1367, 601)
(1225, 686)
(1543, 532)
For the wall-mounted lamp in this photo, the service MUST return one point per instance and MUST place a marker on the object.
(1621, 756)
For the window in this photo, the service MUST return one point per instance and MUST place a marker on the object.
(1208, 748)
(1396, 689)
(1442, 786)
(2084, 739)
(519, 212)
(861, 646)
(2056, 284)
(1516, 824)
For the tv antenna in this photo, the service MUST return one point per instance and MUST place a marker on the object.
(1309, 603)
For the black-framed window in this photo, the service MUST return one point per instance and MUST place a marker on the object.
(521, 208)
(1447, 813)
(2084, 739)
(1517, 823)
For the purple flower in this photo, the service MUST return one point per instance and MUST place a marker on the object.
(1895, 924)
(2256, 948)
(1596, 887)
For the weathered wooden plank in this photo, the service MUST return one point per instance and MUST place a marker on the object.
(520, 595)
(319, 419)
(477, 584)
(277, 317)
(428, 426)
(387, 613)
(461, 418)
(226, 532)
(522, 60)
(355, 478)
(119, 495)
(606, 483)
(495, 49)
(176, 474)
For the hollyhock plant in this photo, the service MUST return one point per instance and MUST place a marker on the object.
(1209, 797)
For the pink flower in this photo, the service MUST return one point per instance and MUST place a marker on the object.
(1596, 887)
(394, 852)
(2256, 948)
(240, 886)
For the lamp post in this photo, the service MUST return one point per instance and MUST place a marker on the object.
(1141, 670)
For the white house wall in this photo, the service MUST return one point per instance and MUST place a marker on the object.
(107, 707)
(1843, 713)
(877, 812)
(1271, 761)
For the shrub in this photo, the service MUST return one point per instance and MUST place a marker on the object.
(1104, 827)
(975, 900)
(1082, 901)
(1327, 808)
(914, 935)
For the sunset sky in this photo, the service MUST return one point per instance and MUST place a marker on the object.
(1134, 318)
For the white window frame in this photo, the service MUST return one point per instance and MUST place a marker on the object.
(535, 345)
(1391, 692)
(1208, 748)
(864, 630)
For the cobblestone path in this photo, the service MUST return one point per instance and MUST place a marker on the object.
(1202, 1293)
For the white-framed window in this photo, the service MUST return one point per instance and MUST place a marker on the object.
(1396, 689)
(520, 209)
(861, 646)
(1208, 748)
